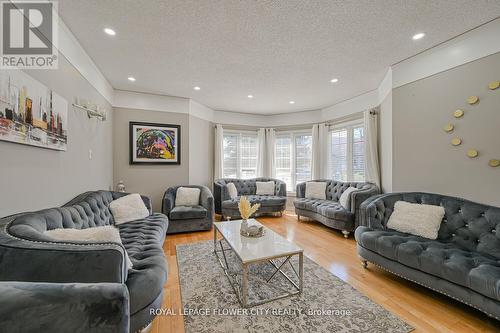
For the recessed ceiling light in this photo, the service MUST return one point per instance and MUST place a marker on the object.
(292, 102)
(418, 36)
(334, 80)
(109, 31)
(196, 88)
(131, 79)
(250, 96)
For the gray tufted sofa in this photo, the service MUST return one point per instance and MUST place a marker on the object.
(94, 273)
(228, 207)
(185, 219)
(329, 211)
(463, 262)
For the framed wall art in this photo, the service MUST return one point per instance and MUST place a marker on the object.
(152, 143)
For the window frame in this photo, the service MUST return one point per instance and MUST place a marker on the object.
(349, 126)
(239, 134)
(293, 160)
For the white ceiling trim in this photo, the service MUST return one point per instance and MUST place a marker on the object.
(472, 45)
(135, 100)
(78, 57)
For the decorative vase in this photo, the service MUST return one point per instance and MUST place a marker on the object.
(120, 187)
(244, 227)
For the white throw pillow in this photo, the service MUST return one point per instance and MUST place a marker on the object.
(128, 208)
(345, 197)
(187, 196)
(231, 189)
(416, 219)
(316, 190)
(265, 188)
(102, 234)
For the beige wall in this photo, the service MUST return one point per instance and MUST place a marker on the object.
(150, 180)
(201, 151)
(33, 178)
(423, 158)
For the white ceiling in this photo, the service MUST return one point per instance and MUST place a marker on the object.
(275, 50)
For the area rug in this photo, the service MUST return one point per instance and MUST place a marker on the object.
(327, 304)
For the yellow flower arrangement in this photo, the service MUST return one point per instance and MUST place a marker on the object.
(246, 210)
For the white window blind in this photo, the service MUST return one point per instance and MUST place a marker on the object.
(240, 155)
(347, 153)
(293, 153)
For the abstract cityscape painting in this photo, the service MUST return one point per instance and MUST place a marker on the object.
(154, 143)
(31, 113)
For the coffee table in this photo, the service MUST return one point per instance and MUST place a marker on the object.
(268, 248)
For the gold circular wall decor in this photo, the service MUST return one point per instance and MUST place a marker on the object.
(448, 127)
(472, 153)
(494, 85)
(456, 141)
(458, 113)
(472, 100)
(494, 163)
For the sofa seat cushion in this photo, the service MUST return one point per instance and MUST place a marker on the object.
(143, 240)
(188, 213)
(328, 208)
(264, 200)
(445, 260)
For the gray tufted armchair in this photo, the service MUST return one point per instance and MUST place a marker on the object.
(329, 211)
(186, 219)
(463, 262)
(228, 207)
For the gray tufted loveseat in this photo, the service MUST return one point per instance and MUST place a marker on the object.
(228, 207)
(93, 275)
(463, 262)
(329, 211)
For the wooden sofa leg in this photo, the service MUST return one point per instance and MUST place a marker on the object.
(364, 263)
(345, 233)
(298, 217)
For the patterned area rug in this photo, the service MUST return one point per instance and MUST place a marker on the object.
(327, 304)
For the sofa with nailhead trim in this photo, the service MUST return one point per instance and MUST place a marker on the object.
(329, 212)
(91, 278)
(463, 262)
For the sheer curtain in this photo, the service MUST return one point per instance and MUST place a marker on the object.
(319, 151)
(372, 163)
(261, 152)
(270, 142)
(265, 156)
(218, 151)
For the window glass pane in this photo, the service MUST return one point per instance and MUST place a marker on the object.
(338, 155)
(230, 162)
(248, 152)
(303, 155)
(283, 160)
(358, 154)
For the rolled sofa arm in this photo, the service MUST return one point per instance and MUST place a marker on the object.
(168, 201)
(300, 191)
(358, 197)
(54, 307)
(35, 257)
(220, 194)
(375, 211)
(207, 200)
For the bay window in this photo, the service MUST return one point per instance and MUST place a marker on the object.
(293, 153)
(240, 155)
(347, 152)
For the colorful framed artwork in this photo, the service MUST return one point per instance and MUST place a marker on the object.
(152, 143)
(31, 113)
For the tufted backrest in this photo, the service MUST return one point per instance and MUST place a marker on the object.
(334, 188)
(249, 186)
(90, 209)
(470, 225)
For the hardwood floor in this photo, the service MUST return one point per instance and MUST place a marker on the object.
(425, 310)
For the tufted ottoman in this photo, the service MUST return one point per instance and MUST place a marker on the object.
(269, 204)
(96, 270)
(329, 211)
(463, 262)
